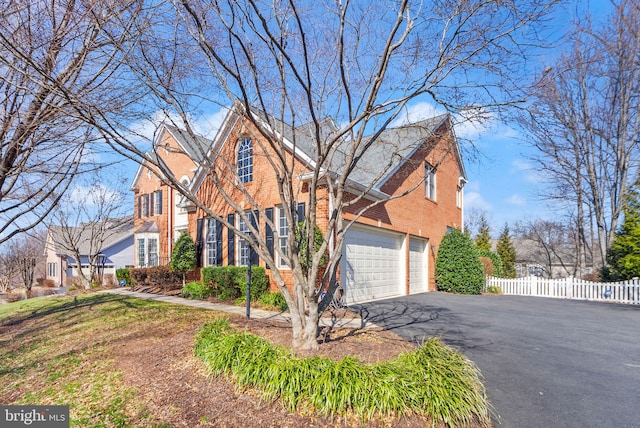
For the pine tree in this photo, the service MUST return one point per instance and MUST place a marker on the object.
(624, 255)
(507, 253)
(183, 256)
(483, 240)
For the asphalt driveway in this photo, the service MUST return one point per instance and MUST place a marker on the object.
(545, 362)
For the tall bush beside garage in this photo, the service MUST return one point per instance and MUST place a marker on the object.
(458, 267)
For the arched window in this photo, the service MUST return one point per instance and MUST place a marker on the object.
(245, 160)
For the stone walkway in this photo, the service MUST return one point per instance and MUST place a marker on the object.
(332, 322)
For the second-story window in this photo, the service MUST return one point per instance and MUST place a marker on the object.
(430, 181)
(245, 160)
(157, 200)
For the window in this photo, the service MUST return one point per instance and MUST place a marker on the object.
(211, 242)
(147, 251)
(152, 250)
(144, 206)
(51, 269)
(283, 234)
(158, 202)
(430, 181)
(245, 160)
(244, 249)
(142, 258)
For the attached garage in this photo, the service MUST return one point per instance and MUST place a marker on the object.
(418, 269)
(373, 264)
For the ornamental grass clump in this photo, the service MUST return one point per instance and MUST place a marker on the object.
(433, 381)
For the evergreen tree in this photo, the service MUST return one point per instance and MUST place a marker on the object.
(458, 266)
(183, 256)
(507, 253)
(483, 240)
(624, 255)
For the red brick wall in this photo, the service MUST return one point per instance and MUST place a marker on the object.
(147, 183)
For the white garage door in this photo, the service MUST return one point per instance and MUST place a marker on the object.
(372, 265)
(418, 265)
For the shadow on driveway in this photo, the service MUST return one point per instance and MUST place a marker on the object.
(545, 362)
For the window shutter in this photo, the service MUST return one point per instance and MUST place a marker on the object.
(151, 203)
(269, 231)
(199, 243)
(159, 202)
(218, 243)
(300, 210)
(231, 242)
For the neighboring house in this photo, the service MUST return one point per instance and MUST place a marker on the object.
(116, 251)
(535, 259)
(390, 251)
(160, 215)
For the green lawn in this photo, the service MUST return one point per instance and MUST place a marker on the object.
(55, 351)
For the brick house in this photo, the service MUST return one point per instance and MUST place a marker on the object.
(389, 251)
(160, 215)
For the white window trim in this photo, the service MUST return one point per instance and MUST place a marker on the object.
(146, 238)
(430, 181)
(242, 246)
(282, 238)
(245, 172)
(208, 248)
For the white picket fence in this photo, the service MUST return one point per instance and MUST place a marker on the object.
(569, 288)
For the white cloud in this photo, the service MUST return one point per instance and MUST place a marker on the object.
(474, 200)
(206, 125)
(517, 200)
(526, 171)
(418, 112)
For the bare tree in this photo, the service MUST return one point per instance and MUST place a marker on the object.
(332, 75)
(21, 260)
(552, 244)
(585, 125)
(337, 75)
(86, 219)
(54, 56)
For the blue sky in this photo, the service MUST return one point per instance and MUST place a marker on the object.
(502, 182)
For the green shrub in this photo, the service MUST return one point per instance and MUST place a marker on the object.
(458, 267)
(230, 282)
(197, 290)
(124, 274)
(433, 381)
(274, 300)
(494, 289)
(183, 256)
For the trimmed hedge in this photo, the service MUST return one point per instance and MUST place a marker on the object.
(230, 282)
(197, 290)
(157, 276)
(458, 266)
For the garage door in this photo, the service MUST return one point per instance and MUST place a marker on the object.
(417, 265)
(372, 265)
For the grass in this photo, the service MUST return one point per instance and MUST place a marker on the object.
(433, 381)
(54, 351)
